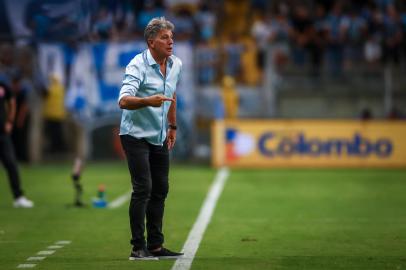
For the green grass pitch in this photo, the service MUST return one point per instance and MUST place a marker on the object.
(264, 219)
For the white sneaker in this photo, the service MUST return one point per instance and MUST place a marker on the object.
(23, 202)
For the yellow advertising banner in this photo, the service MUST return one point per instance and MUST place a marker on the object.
(308, 143)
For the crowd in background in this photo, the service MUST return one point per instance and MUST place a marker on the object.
(338, 33)
(117, 20)
(231, 38)
(321, 33)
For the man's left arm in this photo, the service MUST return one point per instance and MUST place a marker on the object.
(171, 137)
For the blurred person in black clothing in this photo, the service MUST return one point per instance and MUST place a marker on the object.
(7, 155)
(20, 129)
(306, 37)
(392, 35)
(366, 114)
(303, 32)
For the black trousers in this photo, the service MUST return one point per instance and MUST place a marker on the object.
(8, 158)
(149, 169)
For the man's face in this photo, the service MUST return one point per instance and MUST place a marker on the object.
(162, 44)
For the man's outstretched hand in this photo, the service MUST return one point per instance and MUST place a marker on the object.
(157, 100)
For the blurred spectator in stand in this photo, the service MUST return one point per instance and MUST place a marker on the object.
(372, 51)
(103, 24)
(54, 20)
(7, 63)
(356, 29)
(206, 53)
(373, 43)
(250, 73)
(206, 20)
(233, 49)
(392, 35)
(403, 24)
(207, 56)
(261, 33)
(230, 97)
(260, 5)
(303, 34)
(383, 4)
(336, 32)
(37, 20)
(174, 3)
(320, 38)
(150, 10)
(119, 32)
(281, 33)
(186, 27)
(54, 114)
(124, 22)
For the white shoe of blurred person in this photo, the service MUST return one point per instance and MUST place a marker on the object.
(23, 202)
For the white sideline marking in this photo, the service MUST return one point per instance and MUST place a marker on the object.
(46, 252)
(35, 258)
(52, 250)
(26, 265)
(120, 200)
(196, 234)
(64, 242)
(54, 247)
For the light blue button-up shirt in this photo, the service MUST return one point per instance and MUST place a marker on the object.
(143, 78)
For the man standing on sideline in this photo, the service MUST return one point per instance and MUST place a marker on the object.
(147, 133)
(7, 154)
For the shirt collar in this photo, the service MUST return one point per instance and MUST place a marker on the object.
(151, 61)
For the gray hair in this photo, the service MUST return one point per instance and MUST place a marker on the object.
(155, 25)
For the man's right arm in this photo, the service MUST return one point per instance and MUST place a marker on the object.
(134, 103)
(128, 93)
